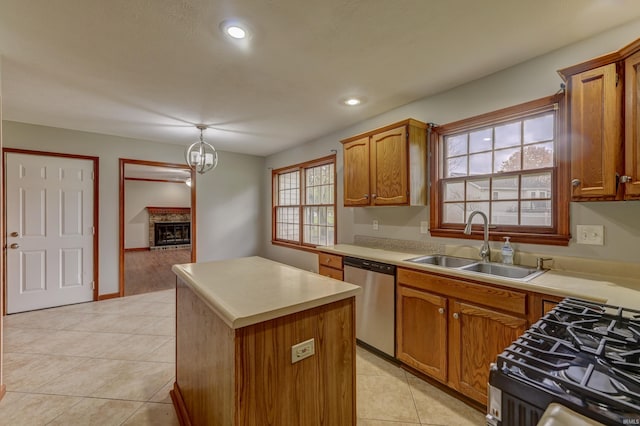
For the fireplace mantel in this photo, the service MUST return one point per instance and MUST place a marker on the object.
(169, 210)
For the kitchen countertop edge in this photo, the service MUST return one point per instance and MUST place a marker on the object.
(264, 295)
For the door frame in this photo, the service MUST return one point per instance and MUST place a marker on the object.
(125, 161)
(96, 210)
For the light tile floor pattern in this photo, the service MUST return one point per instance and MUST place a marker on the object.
(112, 363)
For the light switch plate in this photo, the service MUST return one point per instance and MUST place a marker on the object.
(590, 234)
(302, 350)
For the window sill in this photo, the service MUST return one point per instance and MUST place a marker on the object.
(527, 238)
(310, 249)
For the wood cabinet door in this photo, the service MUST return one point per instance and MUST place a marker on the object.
(596, 132)
(477, 337)
(421, 331)
(356, 172)
(389, 167)
(632, 126)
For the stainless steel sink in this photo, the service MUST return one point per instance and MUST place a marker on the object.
(514, 272)
(442, 260)
(506, 271)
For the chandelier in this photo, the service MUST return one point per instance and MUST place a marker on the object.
(201, 156)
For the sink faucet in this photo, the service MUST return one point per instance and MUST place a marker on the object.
(485, 251)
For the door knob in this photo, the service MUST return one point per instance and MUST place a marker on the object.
(15, 234)
(14, 246)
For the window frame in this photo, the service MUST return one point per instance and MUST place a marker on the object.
(301, 168)
(558, 233)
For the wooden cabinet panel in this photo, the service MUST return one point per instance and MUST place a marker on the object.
(632, 126)
(477, 336)
(508, 300)
(330, 260)
(422, 331)
(388, 167)
(331, 273)
(356, 172)
(595, 132)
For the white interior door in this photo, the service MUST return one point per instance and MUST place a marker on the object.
(49, 213)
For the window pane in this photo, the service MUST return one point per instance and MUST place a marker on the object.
(507, 135)
(456, 167)
(289, 189)
(478, 189)
(538, 156)
(319, 189)
(481, 140)
(540, 184)
(455, 145)
(480, 164)
(505, 188)
(318, 225)
(536, 213)
(507, 160)
(504, 213)
(287, 223)
(453, 191)
(483, 207)
(454, 213)
(538, 129)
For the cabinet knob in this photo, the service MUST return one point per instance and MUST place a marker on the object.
(456, 315)
(441, 311)
(328, 260)
(625, 179)
(575, 182)
(374, 195)
(366, 196)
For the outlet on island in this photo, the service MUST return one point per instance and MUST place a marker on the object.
(374, 225)
(302, 350)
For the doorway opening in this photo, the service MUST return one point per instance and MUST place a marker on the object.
(157, 224)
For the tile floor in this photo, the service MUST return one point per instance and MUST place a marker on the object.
(112, 363)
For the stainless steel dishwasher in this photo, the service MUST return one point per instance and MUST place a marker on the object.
(375, 306)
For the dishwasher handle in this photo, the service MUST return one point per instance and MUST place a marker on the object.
(382, 268)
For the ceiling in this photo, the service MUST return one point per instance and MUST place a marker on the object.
(153, 69)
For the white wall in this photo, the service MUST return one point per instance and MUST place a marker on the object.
(141, 194)
(1, 230)
(218, 205)
(527, 81)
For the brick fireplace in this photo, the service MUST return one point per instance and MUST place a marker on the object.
(169, 227)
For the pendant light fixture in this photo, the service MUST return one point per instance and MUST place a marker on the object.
(201, 156)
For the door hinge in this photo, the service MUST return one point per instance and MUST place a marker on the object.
(93, 230)
(93, 175)
(93, 285)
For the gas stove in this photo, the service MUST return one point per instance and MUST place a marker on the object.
(583, 355)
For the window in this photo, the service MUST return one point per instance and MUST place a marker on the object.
(508, 164)
(304, 207)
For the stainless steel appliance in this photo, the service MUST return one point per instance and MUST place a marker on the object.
(583, 355)
(375, 306)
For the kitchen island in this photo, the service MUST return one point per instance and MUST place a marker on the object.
(260, 342)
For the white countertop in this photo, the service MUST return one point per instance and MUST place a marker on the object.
(605, 288)
(250, 290)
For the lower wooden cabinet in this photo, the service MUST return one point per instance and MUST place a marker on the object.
(477, 336)
(451, 339)
(330, 265)
(422, 331)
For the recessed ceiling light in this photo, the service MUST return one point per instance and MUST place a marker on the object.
(235, 29)
(352, 101)
(236, 32)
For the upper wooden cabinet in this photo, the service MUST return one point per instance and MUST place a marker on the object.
(386, 166)
(603, 126)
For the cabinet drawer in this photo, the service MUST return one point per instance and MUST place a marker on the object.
(486, 295)
(330, 272)
(330, 260)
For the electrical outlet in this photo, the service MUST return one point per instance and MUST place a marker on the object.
(590, 234)
(375, 225)
(424, 227)
(302, 350)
